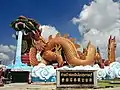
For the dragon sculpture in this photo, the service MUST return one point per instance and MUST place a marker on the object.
(111, 53)
(59, 49)
(111, 49)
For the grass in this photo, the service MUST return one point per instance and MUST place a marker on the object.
(104, 83)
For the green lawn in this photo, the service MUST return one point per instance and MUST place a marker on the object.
(104, 83)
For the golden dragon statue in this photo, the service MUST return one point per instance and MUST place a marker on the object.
(60, 48)
(111, 53)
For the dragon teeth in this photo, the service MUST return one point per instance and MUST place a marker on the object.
(25, 33)
(16, 25)
(33, 31)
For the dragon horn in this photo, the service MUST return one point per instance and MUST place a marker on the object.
(98, 50)
(77, 45)
(50, 37)
(66, 35)
(110, 38)
(58, 35)
(114, 38)
(88, 44)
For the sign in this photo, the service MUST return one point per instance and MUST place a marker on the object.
(76, 78)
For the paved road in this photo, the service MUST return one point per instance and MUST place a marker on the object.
(25, 86)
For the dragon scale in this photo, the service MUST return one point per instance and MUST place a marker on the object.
(70, 51)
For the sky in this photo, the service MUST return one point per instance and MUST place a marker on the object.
(57, 13)
(82, 19)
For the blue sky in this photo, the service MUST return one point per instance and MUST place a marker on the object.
(57, 13)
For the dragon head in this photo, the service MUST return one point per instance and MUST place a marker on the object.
(27, 25)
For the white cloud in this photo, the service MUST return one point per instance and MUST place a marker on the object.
(7, 53)
(101, 14)
(98, 21)
(48, 30)
(3, 57)
(118, 59)
(6, 48)
(13, 35)
(12, 47)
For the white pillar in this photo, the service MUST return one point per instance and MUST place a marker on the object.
(18, 49)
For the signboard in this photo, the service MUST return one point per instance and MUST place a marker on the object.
(76, 78)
